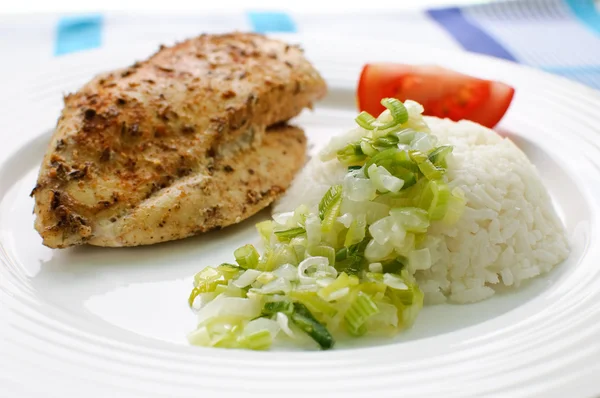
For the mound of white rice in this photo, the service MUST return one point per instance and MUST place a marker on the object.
(508, 233)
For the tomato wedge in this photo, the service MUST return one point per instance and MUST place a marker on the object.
(442, 92)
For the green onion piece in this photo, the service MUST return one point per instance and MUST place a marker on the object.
(351, 155)
(404, 198)
(290, 233)
(303, 318)
(419, 259)
(246, 256)
(439, 203)
(329, 207)
(300, 214)
(455, 210)
(273, 307)
(365, 120)
(367, 148)
(352, 265)
(195, 292)
(323, 251)
(229, 271)
(314, 303)
(397, 110)
(356, 231)
(260, 340)
(230, 291)
(298, 244)
(209, 278)
(265, 229)
(354, 261)
(420, 239)
(406, 136)
(266, 277)
(403, 159)
(376, 288)
(438, 155)
(393, 266)
(408, 244)
(408, 177)
(341, 254)
(381, 156)
(405, 296)
(329, 198)
(412, 219)
(200, 337)
(284, 254)
(353, 168)
(385, 141)
(398, 163)
(409, 314)
(207, 274)
(279, 255)
(430, 171)
(360, 310)
(408, 302)
(227, 340)
(341, 282)
(417, 156)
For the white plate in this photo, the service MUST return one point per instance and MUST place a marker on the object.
(101, 322)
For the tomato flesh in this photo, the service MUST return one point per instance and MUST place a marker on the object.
(443, 93)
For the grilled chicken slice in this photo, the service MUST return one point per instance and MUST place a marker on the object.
(177, 144)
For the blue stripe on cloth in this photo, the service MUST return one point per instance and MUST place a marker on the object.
(271, 21)
(586, 12)
(588, 75)
(582, 69)
(77, 33)
(469, 35)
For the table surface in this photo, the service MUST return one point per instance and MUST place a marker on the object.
(558, 36)
(175, 6)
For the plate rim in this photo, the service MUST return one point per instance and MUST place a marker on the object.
(94, 54)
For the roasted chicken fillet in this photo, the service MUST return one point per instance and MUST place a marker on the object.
(177, 144)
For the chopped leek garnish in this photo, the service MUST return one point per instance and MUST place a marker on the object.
(406, 136)
(440, 199)
(290, 233)
(367, 148)
(260, 340)
(385, 141)
(273, 307)
(302, 318)
(412, 219)
(341, 254)
(343, 281)
(360, 310)
(314, 303)
(351, 155)
(356, 232)
(330, 197)
(329, 207)
(265, 229)
(397, 110)
(346, 268)
(365, 120)
(246, 256)
(323, 251)
(438, 155)
(393, 266)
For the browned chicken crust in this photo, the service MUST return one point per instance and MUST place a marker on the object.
(176, 134)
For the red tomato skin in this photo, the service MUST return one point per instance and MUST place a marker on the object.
(442, 92)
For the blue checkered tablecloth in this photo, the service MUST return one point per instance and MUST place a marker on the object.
(559, 36)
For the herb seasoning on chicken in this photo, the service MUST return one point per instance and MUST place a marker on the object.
(190, 140)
